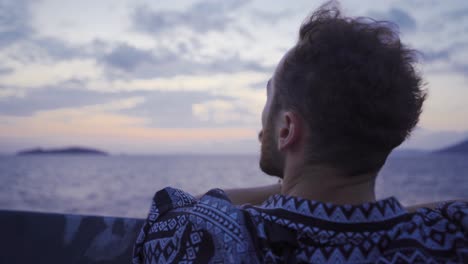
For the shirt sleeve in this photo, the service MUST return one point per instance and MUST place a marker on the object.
(163, 202)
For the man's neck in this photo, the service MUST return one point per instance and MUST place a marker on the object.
(328, 185)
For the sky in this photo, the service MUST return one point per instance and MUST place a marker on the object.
(162, 77)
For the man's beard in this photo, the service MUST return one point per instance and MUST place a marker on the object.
(270, 158)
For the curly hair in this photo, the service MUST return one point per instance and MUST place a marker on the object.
(355, 85)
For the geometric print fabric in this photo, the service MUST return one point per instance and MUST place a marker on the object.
(286, 229)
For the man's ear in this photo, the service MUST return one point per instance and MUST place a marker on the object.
(290, 130)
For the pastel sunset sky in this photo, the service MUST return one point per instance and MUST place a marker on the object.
(186, 76)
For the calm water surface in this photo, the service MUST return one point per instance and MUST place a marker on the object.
(124, 185)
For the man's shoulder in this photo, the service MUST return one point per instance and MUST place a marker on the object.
(442, 227)
(214, 207)
(207, 228)
(454, 212)
(213, 212)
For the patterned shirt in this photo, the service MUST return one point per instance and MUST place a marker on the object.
(287, 229)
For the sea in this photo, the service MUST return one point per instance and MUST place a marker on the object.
(124, 185)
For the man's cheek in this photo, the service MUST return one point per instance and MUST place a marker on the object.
(263, 118)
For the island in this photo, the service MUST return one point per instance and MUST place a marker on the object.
(460, 148)
(63, 151)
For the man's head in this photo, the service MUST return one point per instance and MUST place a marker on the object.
(345, 95)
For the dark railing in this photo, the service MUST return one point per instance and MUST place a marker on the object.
(30, 237)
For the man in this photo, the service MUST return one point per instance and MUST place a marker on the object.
(337, 104)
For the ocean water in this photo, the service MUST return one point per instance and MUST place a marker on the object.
(124, 185)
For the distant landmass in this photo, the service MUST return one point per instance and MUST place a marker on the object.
(63, 151)
(460, 148)
(408, 152)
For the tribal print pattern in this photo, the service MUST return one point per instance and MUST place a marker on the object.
(286, 229)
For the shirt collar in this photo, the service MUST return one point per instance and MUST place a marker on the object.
(366, 212)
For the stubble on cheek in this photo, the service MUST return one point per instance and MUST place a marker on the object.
(270, 162)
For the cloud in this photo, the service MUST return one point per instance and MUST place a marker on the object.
(5, 70)
(6, 92)
(453, 58)
(127, 58)
(15, 26)
(68, 119)
(272, 18)
(201, 17)
(445, 107)
(168, 101)
(61, 50)
(221, 112)
(223, 84)
(457, 14)
(126, 61)
(37, 61)
(194, 100)
(163, 109)
(14, 21)
(49, 98)
(243, 111)
(30, 64)
(173, 108)
(437, 30)
(102, 123)
(404, 20)
(52, 73)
